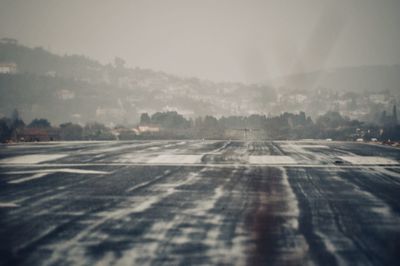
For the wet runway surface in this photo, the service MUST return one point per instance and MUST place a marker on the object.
(199, 203)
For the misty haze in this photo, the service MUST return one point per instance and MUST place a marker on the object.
(184, 132)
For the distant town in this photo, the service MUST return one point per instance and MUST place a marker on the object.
(47, 97)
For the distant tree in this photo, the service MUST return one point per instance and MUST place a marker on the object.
(233, 122)
(391, 133)
(40, 123)
(144, 118)
(97, 131)
(69, 131)
(278, 127)
(5, 129)
(209, 128)
(170, 120)
(256, 121)
(331, 120)
(15, 115)
(383, 118)
(10, 127)
(127, 135)
(18, 124)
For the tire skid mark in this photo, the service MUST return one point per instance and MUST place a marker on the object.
(346, 218)
(378, 236)
(275, 215)
(315, 218)
(197, 230)
(92, 234)
(274, 223)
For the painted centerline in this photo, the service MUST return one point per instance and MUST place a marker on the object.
(184, 159)
(368, 160)
(8, 205)
(271, 159)
(32, 158)
(29, 178)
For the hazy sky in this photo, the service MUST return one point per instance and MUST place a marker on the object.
(230, 40)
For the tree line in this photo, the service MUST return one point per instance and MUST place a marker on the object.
(172, 125)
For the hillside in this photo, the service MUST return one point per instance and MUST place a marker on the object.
(79, 89)
(362, 79)
(76, 88)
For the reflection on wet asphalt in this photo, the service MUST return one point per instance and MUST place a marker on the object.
(199, 203)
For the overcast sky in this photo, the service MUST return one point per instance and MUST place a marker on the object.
(221, 40)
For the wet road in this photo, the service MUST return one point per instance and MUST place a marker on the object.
(199, 203)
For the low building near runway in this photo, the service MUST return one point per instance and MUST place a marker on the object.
(148, 129)
(38, 134)
(8, 68)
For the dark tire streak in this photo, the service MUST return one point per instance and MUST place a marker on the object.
(317, 249)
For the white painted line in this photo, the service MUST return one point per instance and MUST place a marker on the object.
(120, 147)
(8, 205)
(81, 171)
(32, 158)
(271, 159)
(58, 170)
(25, 179)
(368, 160)
(313, 146)
(183, 159)
(215, 165)
(154, 148)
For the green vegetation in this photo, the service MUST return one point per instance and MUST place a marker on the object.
(171, 125)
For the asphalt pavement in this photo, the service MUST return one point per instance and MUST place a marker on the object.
(199, 202)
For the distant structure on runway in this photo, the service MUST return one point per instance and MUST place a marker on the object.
(248, 133)
(8, 68)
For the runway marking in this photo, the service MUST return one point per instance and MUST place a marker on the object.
(171, 159)
(58, 170)
(39, 173)
(120, 147)
(32, 158)
(154, 148)
(313, 146)
(215, 165)
(271, 159)
(8, 205)
(368, 160)
(29, 178)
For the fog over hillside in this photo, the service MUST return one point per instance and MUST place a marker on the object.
(105, 61)
(249, 41)
(363, 79)
(79, 89)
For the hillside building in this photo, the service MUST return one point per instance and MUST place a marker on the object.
(8, 68)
